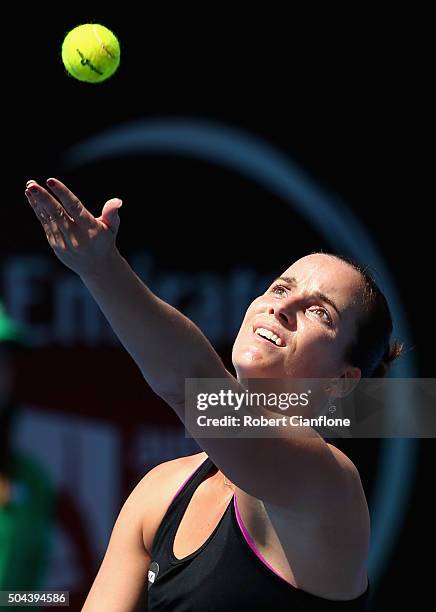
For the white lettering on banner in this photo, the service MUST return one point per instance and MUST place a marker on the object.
(25, 279)
(216, 303)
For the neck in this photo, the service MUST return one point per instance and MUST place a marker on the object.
(227, 482)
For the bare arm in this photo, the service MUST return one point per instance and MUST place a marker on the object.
(121, 582)
(168, 348)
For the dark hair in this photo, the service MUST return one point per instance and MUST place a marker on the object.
(371, 349)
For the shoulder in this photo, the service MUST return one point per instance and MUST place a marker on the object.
(157, 488)
(354, 493)
(350, 503)
(165, 475)
(347, 526)
(335, 534)
(342, 527)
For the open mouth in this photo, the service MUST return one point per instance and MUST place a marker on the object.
(268, 336)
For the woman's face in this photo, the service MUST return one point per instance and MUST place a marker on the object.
(313, 309)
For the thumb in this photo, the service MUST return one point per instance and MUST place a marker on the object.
(109, 214)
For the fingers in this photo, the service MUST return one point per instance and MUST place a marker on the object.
(109, 214)
(45, 201)
(54, 236)
(71, 203)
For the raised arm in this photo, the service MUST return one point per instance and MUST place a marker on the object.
(167, 346)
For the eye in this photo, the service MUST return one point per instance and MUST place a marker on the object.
(322, 313)
(277, 289)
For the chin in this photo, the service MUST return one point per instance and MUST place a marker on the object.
(251, 361)
(251, 368)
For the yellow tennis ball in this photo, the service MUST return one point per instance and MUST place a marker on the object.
(91, 53)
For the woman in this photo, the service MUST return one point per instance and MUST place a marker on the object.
(270, 523)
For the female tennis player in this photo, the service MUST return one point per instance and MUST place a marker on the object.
(266, 523)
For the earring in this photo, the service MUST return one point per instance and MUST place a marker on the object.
(331, 407)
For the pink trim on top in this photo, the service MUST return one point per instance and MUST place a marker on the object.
(242, 527)
(182, 485)
(251, 543)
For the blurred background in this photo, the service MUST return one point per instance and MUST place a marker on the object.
(237, 147)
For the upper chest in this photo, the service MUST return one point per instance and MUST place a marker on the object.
(323, 558)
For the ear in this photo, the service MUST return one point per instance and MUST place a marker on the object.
(346, 383)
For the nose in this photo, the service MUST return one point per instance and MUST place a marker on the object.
(285, 312)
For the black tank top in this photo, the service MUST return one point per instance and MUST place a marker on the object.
(224, 573)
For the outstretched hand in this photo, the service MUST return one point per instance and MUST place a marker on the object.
(80, 241)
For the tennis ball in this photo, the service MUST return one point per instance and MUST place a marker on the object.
(91, 53)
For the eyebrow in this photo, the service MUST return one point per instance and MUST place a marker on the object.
(292, 281)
